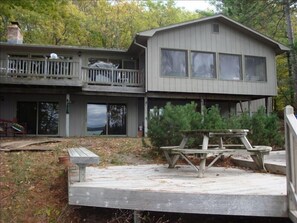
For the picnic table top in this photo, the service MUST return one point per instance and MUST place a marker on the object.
(214, 131)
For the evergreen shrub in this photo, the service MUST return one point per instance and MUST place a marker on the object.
(164, 125)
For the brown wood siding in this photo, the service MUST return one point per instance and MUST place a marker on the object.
(200, 38)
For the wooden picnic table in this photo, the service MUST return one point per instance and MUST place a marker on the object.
(173, 153)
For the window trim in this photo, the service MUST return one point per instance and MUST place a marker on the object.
(186, 63)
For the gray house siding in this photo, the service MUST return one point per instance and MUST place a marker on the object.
(199, 37)
(77, 111)
(8, 106)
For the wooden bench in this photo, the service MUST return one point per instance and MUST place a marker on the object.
(82, 157)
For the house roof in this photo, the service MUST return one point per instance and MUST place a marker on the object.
(278, 47)
(59, 47)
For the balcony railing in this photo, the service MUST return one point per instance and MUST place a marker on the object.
(39, 68)
(34, 69)
(112, 77)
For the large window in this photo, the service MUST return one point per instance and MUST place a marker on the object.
(230, 67)
(174, 63)
(106, 119)
(255, 68)
(203, 65)
(40, 118)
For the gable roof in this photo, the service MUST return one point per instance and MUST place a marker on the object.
(278, 47)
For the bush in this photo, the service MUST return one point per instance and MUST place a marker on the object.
(265, 129)
(165, 124)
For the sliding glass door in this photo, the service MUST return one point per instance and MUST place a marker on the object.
(41, 118)
(106, 119)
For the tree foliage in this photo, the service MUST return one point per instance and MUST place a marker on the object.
(96, 23)
(165, 125)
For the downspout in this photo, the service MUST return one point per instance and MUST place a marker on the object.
(145, 80)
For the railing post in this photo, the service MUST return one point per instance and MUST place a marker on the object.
(7, 67)
(45, 67)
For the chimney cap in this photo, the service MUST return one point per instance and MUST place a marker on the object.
(15, 23)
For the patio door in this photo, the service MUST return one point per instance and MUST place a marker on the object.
(106, 119)
(41, 118)
(27, 113)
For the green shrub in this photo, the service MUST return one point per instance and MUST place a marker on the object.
(164, 129)
(165, 125)
(212, 119)
(265, 129)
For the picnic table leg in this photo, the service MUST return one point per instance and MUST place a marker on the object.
(259, 161)
(203, 159)
(183, 142)
(258, 158)
(171, 159)
(246, 142)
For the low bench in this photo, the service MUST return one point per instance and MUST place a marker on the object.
(82, 157)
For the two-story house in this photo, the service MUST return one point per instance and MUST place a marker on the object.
(78, 91)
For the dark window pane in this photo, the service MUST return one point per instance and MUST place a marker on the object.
(27, 115)
(48, 118)
(203, 65)
(255, 68)
(174, 63)
(97, 119)
(230, 67)
(117, 120)
(129, 64)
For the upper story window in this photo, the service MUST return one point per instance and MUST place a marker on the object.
(255, 68)
(203, 65)
(230, 67)
(174, 63)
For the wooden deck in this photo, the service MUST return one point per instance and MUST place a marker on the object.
(223, 191)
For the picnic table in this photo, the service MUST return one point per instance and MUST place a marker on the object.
(173, 153)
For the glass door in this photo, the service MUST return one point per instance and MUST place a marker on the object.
(48, 118)
(27, 113)
(41, 118)
(96, 119)
(117, 119)
(106, 119)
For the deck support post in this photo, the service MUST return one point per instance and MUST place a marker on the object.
(202, 105)
(249, 108)
(136, 215)
(145, 115)
(67, 114)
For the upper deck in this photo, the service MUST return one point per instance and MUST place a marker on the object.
(65, 72)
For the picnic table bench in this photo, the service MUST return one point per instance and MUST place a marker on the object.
(173, 153)
(82, 157)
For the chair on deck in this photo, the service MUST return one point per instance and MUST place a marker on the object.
(19, 129)
(12, 128)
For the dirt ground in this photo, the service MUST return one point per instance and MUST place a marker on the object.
(33, 184)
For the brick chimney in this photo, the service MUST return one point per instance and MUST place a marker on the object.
(14, 34)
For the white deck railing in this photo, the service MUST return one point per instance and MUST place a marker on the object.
(45, 68)
(291, 165)
(19, 68)
(114, 77)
